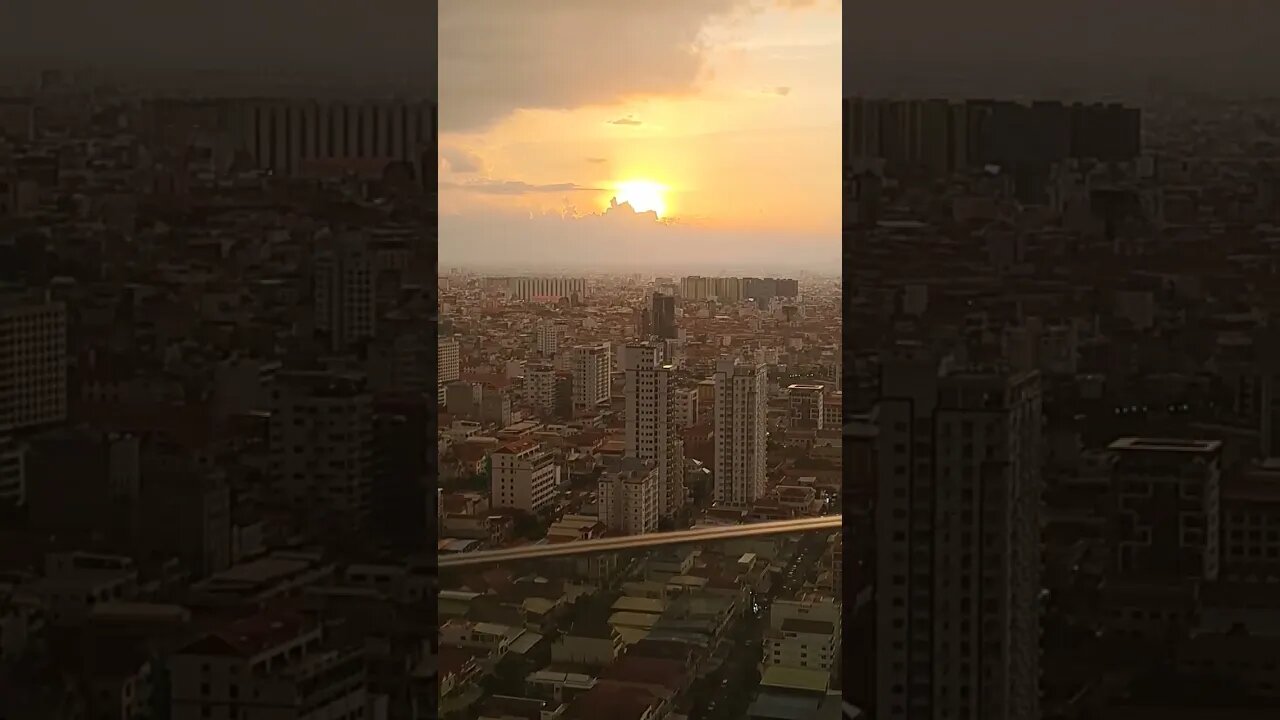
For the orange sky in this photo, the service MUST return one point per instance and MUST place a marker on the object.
(750, 142)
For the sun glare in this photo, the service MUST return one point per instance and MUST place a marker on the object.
(643, 196)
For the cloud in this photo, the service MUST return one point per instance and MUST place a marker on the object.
(628, 120)
(781, 90)
(596, 161)
(460, 161)
(498, 56)
(514, 187)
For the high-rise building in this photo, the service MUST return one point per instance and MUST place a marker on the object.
(959, 493)
(1268, 395)
(1154, 482)
(299, 138)
(13, 473)
(542, 288)
(806, 405)
(562, 404)
(345, 293)
(540, 386)
(523, 477)
(664, 316)
(321, 442)
(940, 137)
(652, 421)
(590, 367)
(549, 334)
(742, 397)
(628, 496)
(33, 363)
(448, 363)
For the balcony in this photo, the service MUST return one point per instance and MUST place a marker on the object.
(666, 625)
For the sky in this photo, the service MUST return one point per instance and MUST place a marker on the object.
(1039, 47)
(714, 124)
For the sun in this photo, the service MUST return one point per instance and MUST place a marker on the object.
(643, 196)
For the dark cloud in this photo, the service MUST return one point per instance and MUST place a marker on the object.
(782, 90)
(628, 120)
(597, 161)
(497, 56)
(514, 187)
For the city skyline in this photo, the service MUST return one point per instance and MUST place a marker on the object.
(713, 126)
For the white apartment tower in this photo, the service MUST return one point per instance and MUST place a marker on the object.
(448, 363)
(590, 368)
(652, 421)
(628, 497)
(321, 441)
(345, 302)
(523, 477)
(33, 363)
(550, 335)
(957, 541)
(742, 397)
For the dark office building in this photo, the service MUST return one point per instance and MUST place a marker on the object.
(1110, 133)
(401, 465)
(562, 394)
(663, 316)
(939, 137)
(762, 290)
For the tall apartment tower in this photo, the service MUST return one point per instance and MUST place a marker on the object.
(321, 441)
(550, 334)
(345, 293)
(540, 385)
(590, 367)
(448, 363)
(652, 421)
(33, 363)
(742, 397)
(957, 541)
(663, 316)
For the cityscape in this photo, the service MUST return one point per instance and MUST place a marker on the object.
(633, 371)
(611, 407)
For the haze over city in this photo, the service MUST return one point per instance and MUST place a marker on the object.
(713, 125)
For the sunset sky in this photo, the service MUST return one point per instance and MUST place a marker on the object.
(720, 118)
